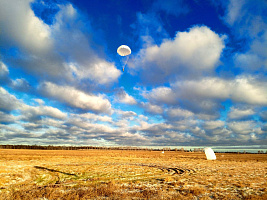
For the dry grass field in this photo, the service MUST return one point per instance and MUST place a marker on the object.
(117, 174)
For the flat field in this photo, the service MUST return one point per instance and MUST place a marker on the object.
(123, 174)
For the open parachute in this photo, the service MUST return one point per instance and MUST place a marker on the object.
(125, 51)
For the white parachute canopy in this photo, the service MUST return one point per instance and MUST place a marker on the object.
(210, 154)
(124, 50)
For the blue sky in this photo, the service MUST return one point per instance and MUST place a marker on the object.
(196, 75)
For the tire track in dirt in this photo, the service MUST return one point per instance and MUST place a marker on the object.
(175, 170)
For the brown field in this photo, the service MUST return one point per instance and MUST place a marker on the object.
(117, 174)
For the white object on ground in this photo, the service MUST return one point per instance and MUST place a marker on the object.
(210, 154)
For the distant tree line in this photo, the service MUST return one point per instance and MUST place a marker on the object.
(52, 147)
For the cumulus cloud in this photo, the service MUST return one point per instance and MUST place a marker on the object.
(160, 95)
(7, 118)
(204, 97)
(93, 117)
(16, 135)
(189, 53)
(175, 113)
(123, 97)
(8, 102)
(245, 89)
(213, 124)
(31, 36)
(26, 113)
(94, 129)
(51, 50)
(23, 23)
(152, 108)
(236, 113)
(21, 84)
(76, 98)
(155, 129)
(39, 101)
(242, 127)
(4, 73)
(73, 42)
(35, 113)
(126, 114)
(32, 126)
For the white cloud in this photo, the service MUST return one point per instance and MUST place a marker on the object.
(20, 84)
(205, 88)
(161, 95)
(236, 113)
(242, 127)
(249, 90)
(98, 71)
(179, 113)
(39, 101)
(76, 98)
(189, 53)
(126, 114)
(3, 69)
(34, 113)
(89, 127)
(53, 122)
(152, 108)
(4, 72)
(32, 126)
(51, 50)
(8, 102)
(123, 97)
(246, 89)
(104, 72)
(23, 28)
(210, 125)
(32, 37)
(203, 97)
(7, 118)
(94, 117)
(86, 63)
(53, 112)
